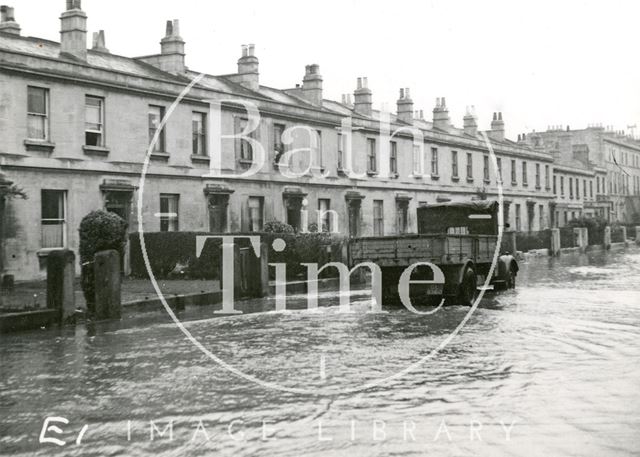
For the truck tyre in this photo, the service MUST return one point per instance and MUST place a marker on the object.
(468, 288)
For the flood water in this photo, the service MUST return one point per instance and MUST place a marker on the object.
(550, 369)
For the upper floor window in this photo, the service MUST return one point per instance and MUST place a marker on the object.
(372, 159)
(454, 164)
(53, 218)
(537, 176)
(94, 121)
(278, 143)
(340, 151)
(546, 177)
(434, 161)
(514, 178)
(169, 216)
(590, 189)
(37, 113)
(499, 160)
(199, 132)
(319, 153)
(156, 114)
(469, 167)
(525, 181)
(562, 186)
(417, 160)
(570, 187)
(393, 157)
(244, 149)
(485, 169)
(555, 188)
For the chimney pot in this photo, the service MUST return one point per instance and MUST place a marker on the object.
(401, 94)
(362, 97)
(99, 42)
(405, 106)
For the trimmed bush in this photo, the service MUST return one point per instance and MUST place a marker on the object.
(99, 231)
(278, 227)
(595, 226)
(526, 242)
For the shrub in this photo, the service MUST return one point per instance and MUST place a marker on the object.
(525, 242)
(99, 231)
(595, 227)
(278, 227)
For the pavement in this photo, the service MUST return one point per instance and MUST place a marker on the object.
(32, 295)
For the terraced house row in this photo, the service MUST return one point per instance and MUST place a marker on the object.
(76, 124)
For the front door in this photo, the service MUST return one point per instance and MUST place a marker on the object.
(354, 218)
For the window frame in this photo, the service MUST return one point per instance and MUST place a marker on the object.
(200, 137)
(160, 146)
(167, 219)
(44, 117)
(62, 221)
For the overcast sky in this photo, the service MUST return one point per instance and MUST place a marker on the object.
(540, 62)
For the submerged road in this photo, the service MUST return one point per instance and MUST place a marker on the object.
(551, 368)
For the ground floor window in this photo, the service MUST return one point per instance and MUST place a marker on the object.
(53, 218)
(256, 214)
(378, 218)
(169, 212)
(541, 215)
(355, 206)
(402, 213)
(217, 205)
(324, 215)
(518, 219)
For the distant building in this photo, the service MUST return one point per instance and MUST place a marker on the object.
(76, 123)
(604, 160)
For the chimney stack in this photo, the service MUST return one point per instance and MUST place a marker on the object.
(8, 22)
(441, 114)
(312, 85)
(362, 97)
(99, 42)
(405, 106)
(248, 68)
(470, 122)
(172, 55)
(73, 31)
(497, 127)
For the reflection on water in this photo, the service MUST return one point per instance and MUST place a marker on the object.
(553, 366)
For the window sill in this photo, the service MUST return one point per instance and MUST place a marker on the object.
(96, 150)
(164, 156)
(39, 145)
(487, 181)
(469, 179)
(514, 183)
(372, 173)
(416, 176)
(538, 188)
(394, 175)
(200, 159)
(435, 177)
(455, 178)
(245, 162)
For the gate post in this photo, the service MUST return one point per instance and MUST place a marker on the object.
(264, 269)
(555, 242)
(107, 285)
(577, 238)
(607, 237)
(624, 234)
(60, 284)
(637, 234)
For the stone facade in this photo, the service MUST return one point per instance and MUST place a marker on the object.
(76, 125)
(607, 160)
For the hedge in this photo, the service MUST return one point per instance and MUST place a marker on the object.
(173, 254)
(526, 242)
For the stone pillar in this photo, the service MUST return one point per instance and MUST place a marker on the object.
(637, 234)
(554, 249)
(513, 245)
(577, 238)
(607, 238)
(264, 269)
(585, 237)
(624, 234)
(107, 285)
(60, 284)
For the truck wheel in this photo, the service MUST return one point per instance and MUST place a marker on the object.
(468, 289)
